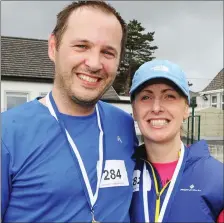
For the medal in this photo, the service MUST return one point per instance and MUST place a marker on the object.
(93, 219)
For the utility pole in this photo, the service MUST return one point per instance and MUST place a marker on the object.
(193, 105)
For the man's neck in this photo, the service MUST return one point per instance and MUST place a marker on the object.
(66, 105)
(163, 152)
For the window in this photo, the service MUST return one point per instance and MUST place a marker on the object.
(214, 101)
(223, 102)
(43, 94)
(14, 99)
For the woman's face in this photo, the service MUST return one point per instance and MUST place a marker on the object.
(159, 111)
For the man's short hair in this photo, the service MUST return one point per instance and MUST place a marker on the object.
(62, 19)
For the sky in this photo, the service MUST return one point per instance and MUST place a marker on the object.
(189, 33)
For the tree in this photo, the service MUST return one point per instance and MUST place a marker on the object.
(138, 51)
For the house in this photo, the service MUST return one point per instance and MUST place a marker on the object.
(213, 94)
(27, 72)
(209, 113)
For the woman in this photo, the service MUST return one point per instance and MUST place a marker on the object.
(171, 183)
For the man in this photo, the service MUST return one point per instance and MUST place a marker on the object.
(67, 157)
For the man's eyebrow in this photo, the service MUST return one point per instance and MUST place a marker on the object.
(81, 40)
(108, 47)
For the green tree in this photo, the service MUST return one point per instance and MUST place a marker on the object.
(138, 51)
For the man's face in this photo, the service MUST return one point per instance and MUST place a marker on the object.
(88, 56)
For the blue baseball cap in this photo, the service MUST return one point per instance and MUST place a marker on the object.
(160, 69)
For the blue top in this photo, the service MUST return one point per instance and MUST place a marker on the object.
(40, 178)
(198, 192)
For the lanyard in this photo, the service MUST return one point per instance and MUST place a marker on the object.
(169, 192)
(92, 197)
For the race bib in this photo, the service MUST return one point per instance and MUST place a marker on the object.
(136, 180)
(114, 174)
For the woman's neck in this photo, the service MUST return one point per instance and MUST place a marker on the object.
(66, 105)
(163, 152)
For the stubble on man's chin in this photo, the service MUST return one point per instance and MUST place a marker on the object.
(84, 103)
(61, 80)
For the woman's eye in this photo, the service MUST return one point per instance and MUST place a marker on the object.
(170, 96)
(145, 97)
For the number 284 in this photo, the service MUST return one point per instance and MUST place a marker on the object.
(112, 174)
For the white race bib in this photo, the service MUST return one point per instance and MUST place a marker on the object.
(136, 180)
(114, 174)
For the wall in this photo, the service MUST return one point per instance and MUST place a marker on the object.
(211, 123)
(201, 103)
(33, 89)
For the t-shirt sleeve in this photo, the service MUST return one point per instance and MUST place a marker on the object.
(6, 178)
(221, 217)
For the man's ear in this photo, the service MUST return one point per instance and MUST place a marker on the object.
(52, 47)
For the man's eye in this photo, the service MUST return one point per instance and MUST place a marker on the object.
(81, 46)
(108, 53)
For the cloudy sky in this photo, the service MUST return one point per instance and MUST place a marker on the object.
(189, 33)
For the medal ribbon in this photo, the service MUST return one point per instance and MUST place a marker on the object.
(92, 197)
(169, 191)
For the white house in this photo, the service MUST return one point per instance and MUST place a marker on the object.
(210, 110)
(213, 94)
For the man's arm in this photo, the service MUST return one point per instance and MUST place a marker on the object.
(6, 179)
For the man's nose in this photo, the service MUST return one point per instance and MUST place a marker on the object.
(93, 61)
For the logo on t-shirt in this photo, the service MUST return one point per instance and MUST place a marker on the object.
(191, 188)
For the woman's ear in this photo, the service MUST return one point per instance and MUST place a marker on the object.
(186, 112)
(133, 110)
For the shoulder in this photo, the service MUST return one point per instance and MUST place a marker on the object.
(206, 168)
(214, 168)
(25, 122)
(199, 156)
(22, 113)
(114, 111)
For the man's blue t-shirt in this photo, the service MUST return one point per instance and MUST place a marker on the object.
(40, 177)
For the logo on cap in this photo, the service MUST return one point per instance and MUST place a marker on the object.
(160, 68)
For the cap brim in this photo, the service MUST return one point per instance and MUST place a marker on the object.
(158, 76)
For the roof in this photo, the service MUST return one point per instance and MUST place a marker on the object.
(193, 94)
(216, 83)
(25, 58)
